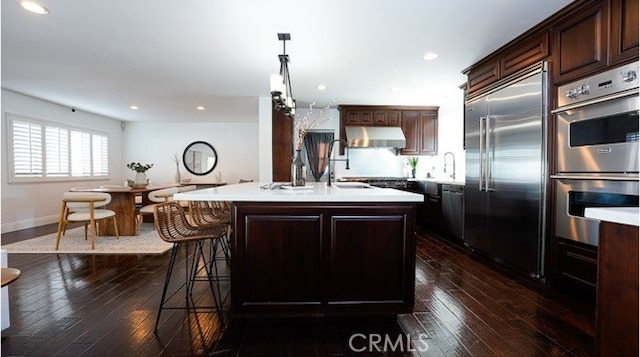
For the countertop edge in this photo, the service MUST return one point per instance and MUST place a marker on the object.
(620, 215)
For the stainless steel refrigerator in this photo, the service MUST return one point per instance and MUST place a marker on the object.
(505, 184)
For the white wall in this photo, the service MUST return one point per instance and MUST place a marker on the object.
(244, 151)
(26, 205)
(157, 142)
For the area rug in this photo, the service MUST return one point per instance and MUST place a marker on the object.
(147, 242)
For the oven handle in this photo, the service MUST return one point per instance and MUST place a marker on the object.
(596, 101)
(608, 177)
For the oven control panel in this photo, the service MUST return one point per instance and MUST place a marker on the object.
(617, 80)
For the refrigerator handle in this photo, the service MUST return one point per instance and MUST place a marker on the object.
(487, 149)
(481, 152)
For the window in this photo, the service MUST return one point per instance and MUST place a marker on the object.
(51, 151)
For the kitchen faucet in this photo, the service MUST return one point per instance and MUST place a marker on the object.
(346, 145)
(453, 162)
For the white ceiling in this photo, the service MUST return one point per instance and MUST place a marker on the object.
(169, 56)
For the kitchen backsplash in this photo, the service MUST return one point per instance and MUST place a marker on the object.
(384, 162)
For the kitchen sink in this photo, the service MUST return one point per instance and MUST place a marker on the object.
(351, 185)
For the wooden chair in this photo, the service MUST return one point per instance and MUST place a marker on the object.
(156, 196)
(173, 226)
(84, 207)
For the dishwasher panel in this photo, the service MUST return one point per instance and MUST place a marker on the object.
(452, 210)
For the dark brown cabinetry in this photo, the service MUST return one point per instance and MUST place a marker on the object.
(574, 267)
(595, 37)
(623, 39)
(581, 43)
(617, 299)
(420, 129)
(584, 38)
(511, 60)
(317, 259)
(281, 146)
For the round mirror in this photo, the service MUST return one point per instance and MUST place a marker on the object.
(200, 158)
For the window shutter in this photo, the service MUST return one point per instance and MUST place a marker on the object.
(41, 151)
(27, 149)
(100, 155)
(57, 148)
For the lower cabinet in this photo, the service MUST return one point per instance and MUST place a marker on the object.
(575, 267)
(315, 259)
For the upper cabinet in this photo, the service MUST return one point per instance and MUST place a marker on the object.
(623, 39)
(595, 37)
(580, 43)
(420, 129)
(584, 38)
(419, 124)
(514, 58)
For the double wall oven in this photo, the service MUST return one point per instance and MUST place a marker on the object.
(597, 149)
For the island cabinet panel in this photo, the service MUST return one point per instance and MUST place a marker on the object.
(293, 241)
(322, 259)
(362, 249)
(617, 300)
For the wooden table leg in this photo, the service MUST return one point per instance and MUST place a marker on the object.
(124, 205)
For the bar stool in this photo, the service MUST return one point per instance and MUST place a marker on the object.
(173, 227)
(204, 213)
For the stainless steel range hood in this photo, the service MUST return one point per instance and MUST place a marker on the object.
(375, 137)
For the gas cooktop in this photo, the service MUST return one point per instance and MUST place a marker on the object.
(378, 181)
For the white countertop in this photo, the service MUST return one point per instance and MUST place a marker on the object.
(622, 215)
(316, 192)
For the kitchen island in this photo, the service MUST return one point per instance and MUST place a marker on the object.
(319, 251)
(617, 327)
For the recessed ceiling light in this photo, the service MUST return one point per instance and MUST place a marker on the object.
(200, 107)
(430, 56)
(321, 87)
(394, 89)
(34, 7)
(133, 107)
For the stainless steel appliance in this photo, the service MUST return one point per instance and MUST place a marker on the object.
(597, 123)
(574, 195)
(452, 210)
(504, 196)
(597, 150)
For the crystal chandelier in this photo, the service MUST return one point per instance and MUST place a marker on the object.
(281, 93)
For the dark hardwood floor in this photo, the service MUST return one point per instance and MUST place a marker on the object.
(106, 305)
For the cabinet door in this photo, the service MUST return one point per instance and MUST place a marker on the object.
(581, 43)
(483, 76)
(409, 125)
(623, 41)
(365, 118)
(393, 118)
(351, 118)
(429, 133)
(377, 243)
(380, 118)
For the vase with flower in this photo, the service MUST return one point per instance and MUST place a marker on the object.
(413, 163)
(301, 128)
(141, 179)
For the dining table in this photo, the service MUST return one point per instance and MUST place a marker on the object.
(123, 203)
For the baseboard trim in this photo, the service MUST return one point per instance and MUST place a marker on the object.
(28, 223)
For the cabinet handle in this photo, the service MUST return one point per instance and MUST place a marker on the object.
(481, 152)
